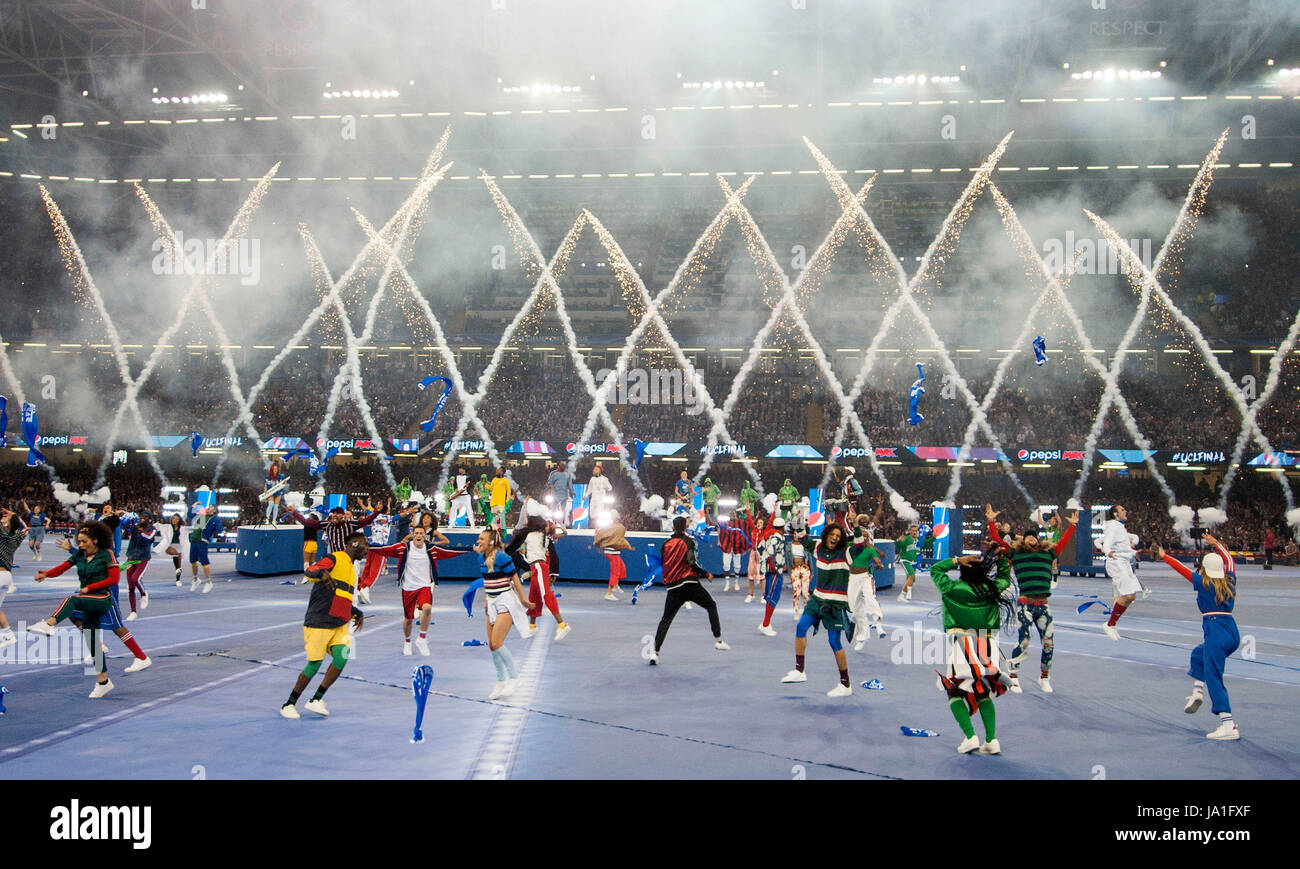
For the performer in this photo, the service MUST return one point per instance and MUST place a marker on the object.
(483, 498)
(37, 522)
(1117, 545)
(761, 522)
(531, 542)
(681, 576)
(711, 495)
(311, 525)
(500, 498)
(97, 572)
(462, 502)
(325, 627)
(683, 490)
(600, 491)
(772, 553)
(174, 525)
(273, 503)
(800, 572)
(142, 538)
(201, 535)
(847, 493)
(735, 539)
(786, 497)
(448, 491)
(908, 548)
(828, 607)
(415, 573)
(503, 601)
(973, 607)
(863, 558)
(1032, 561)
(110, 518)
(748, 498)
(1216, 595)
(612, 541)
(560, 482)
(340, 524)
(11, 535)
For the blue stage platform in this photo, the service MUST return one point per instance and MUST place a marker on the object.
(263, 550)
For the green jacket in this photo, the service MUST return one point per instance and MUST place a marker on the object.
(787, 493)
(711, 494)
(961, 608)
(748, 497)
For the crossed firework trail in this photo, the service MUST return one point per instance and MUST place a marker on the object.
(394, 240)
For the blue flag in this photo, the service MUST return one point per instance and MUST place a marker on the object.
(196, 441)
(638, 448)
(1105, 610)
(917, 731)
(315, 466)
(3, 692)
(421, 681)
(654, 569)
(31, 435)
(468, 597)
(4, 419)
(1040, 350)
(914, 396)
(428, 424)
(301, 450)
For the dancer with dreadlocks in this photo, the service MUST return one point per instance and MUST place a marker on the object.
(828, 607)
(974, 605)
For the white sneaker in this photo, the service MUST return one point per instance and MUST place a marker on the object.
(512, 685)
(795, 676)
(991, 747)
(422, 646)
(767, 630)
(144, 602)
(101, 688)
(132, 616)
(497, 690)
(1015, 685)
(902, 596)
(1146, 592)
(969, 744)
(139, 664)
(609, 595)
(749, 598)
(532, 631)
(207, 586)
(860, 644)
(1110, 631)
(178, 582)
(840, 691)
(317, 706)
(1194, 701)
(909, 594)
(40, 628)
(7, 639)
(561, 632)
(721, 646)
(406, 648)
(1045, 685)
(194, 586)
(288, 710)
(880, 630)
(1226, 731)
(688, 605)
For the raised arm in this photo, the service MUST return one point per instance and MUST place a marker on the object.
(1068, 535)
(1177, 565)
(1228, 563)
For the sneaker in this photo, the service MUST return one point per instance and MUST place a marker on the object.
(969, 744)
(880, 630)
(561, 631)
(1015, 685)
(288, 710)
(767, 630)
(317, 706)
(178, 576)
(101, 688)
(497, 690)
(840, 690)
(139, 664)
(795, 676)
(1194, 701)
(688, 605)
(406, 648)
(132, 616)
(902, 596)
(1045, 684)
(1226, 730)
(1146, 592)
(532, 631)
(749, 598)
(194, 586)
(422, 646)
(7, 639)
(40, 628)
(1110, 631)
(721, 646)
(207, 586)
(909, 594)
(860, 644)
(144, 602)
(512, 685)
(609, 595)
(654, 658)
(178, 582)
(991, 747)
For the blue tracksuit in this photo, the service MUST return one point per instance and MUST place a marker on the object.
(1221, 640)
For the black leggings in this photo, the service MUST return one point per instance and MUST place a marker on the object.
(176, 562)
(680, 594)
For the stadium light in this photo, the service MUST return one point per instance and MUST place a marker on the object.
(363, 93)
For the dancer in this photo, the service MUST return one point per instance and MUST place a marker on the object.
(201, 535)
(847, 492)
(908, 548)
(504, 604)
(1032, 562)
(174, 525)
(973, 608)
(772, 546)
(1117, 545)
(325, 627)
(141, 539)
(111, 620)
(748, 498)
(863, 559)
(735, 539)
(754, 570)
(415, 573)
(800, 572)
(683, 490)
(786, 497)
(681, 576)
(311, 525)
(531, 542)
(97, 572)
(462, 503)
(113, 521)
(340, 524)
(37, 523)
(560, 482)
(612, 541)
(599, 490)
(483, 499)
(500, 497)
(273, 503)
(828, 607)
(1216, 595)
(711, 495)
(11, 535)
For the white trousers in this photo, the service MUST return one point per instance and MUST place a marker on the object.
(862, 600)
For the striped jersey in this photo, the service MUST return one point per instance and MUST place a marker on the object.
(497, 575)
(832, 572)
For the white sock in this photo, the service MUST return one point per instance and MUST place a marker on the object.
(1225, 717)
(1198, 685)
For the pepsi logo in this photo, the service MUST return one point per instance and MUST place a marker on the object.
(835, 451)
(579, 514)
(940, 531)
(815, 519)
(1022, 455)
